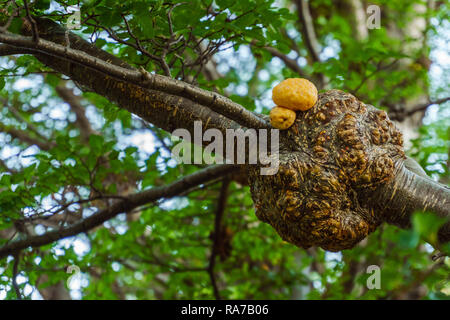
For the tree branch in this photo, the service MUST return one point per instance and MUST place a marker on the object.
(290, 63)
(15, 274)
(32, 22)
(401, 114)
(7, 50)
(308, 31)
(408, 193)
(122, 206)
(217, 233)
(424, 106)
(309, 36)
(16, 114)
(214, 101)
(74, 102)
(165, 111)
(24, 137)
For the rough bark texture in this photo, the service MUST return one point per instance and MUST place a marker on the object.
(333, 160)
(397, 200)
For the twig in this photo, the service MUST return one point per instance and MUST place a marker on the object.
(14, 276)
(217, 233)
(401, 114)
(290, 63)
(377, 69)
(5, 27)
(19, 118)
(74, 102)
(34, 28)
(424, 106)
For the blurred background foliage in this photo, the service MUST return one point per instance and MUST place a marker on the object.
(241, 49)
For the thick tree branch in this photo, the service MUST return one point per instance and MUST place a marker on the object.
(7, 50)
(165, 111)
(410, 192)
(214, 101)
(122, 206)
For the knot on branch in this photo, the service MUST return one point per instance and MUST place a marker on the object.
(333, 154)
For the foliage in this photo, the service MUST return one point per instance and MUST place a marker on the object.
(162, 250)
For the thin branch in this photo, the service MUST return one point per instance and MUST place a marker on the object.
(217, 233)
(5, 166)
(378, 68)
(290, 63)
(10, 18)
(308, 31)
(27, 74)
(358, 19)
(214, 101)
(74, 102)
(424, 106)
(401, 114)
(24, 137)
(34, 28)
(14, 275)
(21, 119)
(309, 37)
(133, 201)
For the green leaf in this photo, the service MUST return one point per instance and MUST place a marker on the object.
(427, 225)
(96, 143)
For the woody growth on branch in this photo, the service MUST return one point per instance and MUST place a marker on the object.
(342, 166)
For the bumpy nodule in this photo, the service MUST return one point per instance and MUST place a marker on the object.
(333, 154)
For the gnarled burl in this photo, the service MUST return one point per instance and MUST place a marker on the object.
(341, 174)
